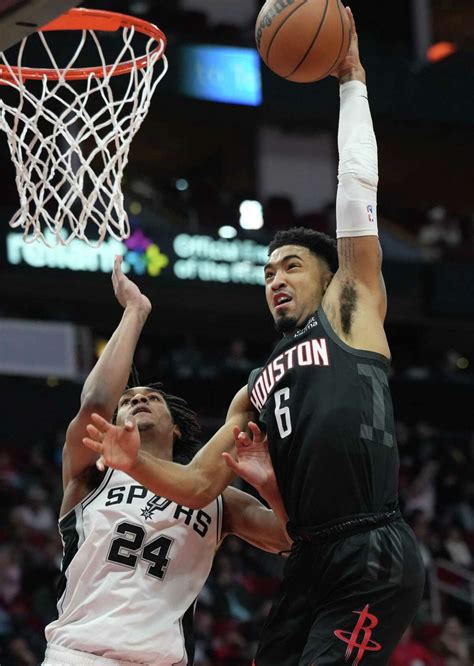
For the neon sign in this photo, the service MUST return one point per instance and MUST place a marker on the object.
(182, 257)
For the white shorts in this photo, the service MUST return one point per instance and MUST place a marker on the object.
(61, 656)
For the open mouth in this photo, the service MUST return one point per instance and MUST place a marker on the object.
(280, 300)
(140, 409)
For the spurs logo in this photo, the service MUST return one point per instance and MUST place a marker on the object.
(156, 503)
(360, 636)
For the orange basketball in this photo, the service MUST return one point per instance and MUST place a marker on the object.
(302, 40)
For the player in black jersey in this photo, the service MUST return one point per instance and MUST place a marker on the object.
(354, 578)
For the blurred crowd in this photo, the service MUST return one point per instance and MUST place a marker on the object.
(200, 205)
(436, 463)
(437, 497)
(438, 232)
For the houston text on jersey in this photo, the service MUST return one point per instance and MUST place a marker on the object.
(311, 352)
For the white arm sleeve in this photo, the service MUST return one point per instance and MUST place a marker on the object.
(356, 204)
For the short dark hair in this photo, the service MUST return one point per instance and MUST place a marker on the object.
(186, 446)
(321, 245)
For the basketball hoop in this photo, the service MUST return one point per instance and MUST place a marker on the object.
(70, 126)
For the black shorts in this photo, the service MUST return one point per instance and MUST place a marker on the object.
(346, 601)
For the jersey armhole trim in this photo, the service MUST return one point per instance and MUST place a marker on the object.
(252, 379)
(90, 497)
(350, 350)
(220, 518)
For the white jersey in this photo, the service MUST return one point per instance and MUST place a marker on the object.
(133, 566)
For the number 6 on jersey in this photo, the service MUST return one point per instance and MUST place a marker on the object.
(282, 413)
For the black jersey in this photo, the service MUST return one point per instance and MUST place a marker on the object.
(328, 413)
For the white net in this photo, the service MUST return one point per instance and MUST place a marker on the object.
(70, 139)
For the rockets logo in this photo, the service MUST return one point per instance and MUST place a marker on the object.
(360, 636)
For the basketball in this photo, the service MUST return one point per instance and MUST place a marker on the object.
(302, 40)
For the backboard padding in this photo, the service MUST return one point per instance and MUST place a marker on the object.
(20, 18)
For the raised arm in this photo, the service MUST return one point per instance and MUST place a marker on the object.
(194, 485)
(108, 379)
(355, 301)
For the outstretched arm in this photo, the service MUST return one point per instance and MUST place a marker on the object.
(108, 379)
(194, 485)
(358, 284)
(251, 521)
(358, 245)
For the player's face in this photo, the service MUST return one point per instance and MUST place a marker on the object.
(295, 281)
(147, 406)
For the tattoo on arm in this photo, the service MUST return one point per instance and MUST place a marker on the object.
(348, 296)
(345, 308)
(346, 252)
(341, 314)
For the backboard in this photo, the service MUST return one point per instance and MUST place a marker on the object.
(20, 18)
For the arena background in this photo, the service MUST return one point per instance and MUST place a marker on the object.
(222, 131)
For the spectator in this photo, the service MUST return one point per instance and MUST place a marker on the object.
(462, 512)
(9, 476)
(441, 233)
(410, 652)
(421, 494)
(10, 577)
(421, 527)
(452, 644)
(230, 599)
(19, 653)
(456, 547)
(36, 514)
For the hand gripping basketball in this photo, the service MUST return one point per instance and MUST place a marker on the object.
(303, 40)
(116, 446)
(351, 67)
(253, 462)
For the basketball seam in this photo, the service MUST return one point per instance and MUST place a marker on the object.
(323, 17)
(342, 43)
(267, 57)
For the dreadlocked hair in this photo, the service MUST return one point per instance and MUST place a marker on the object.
(186, 447)
(321, 245)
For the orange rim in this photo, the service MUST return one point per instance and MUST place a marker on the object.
(91, 19)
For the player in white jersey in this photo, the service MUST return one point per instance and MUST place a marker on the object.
(134, 563)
